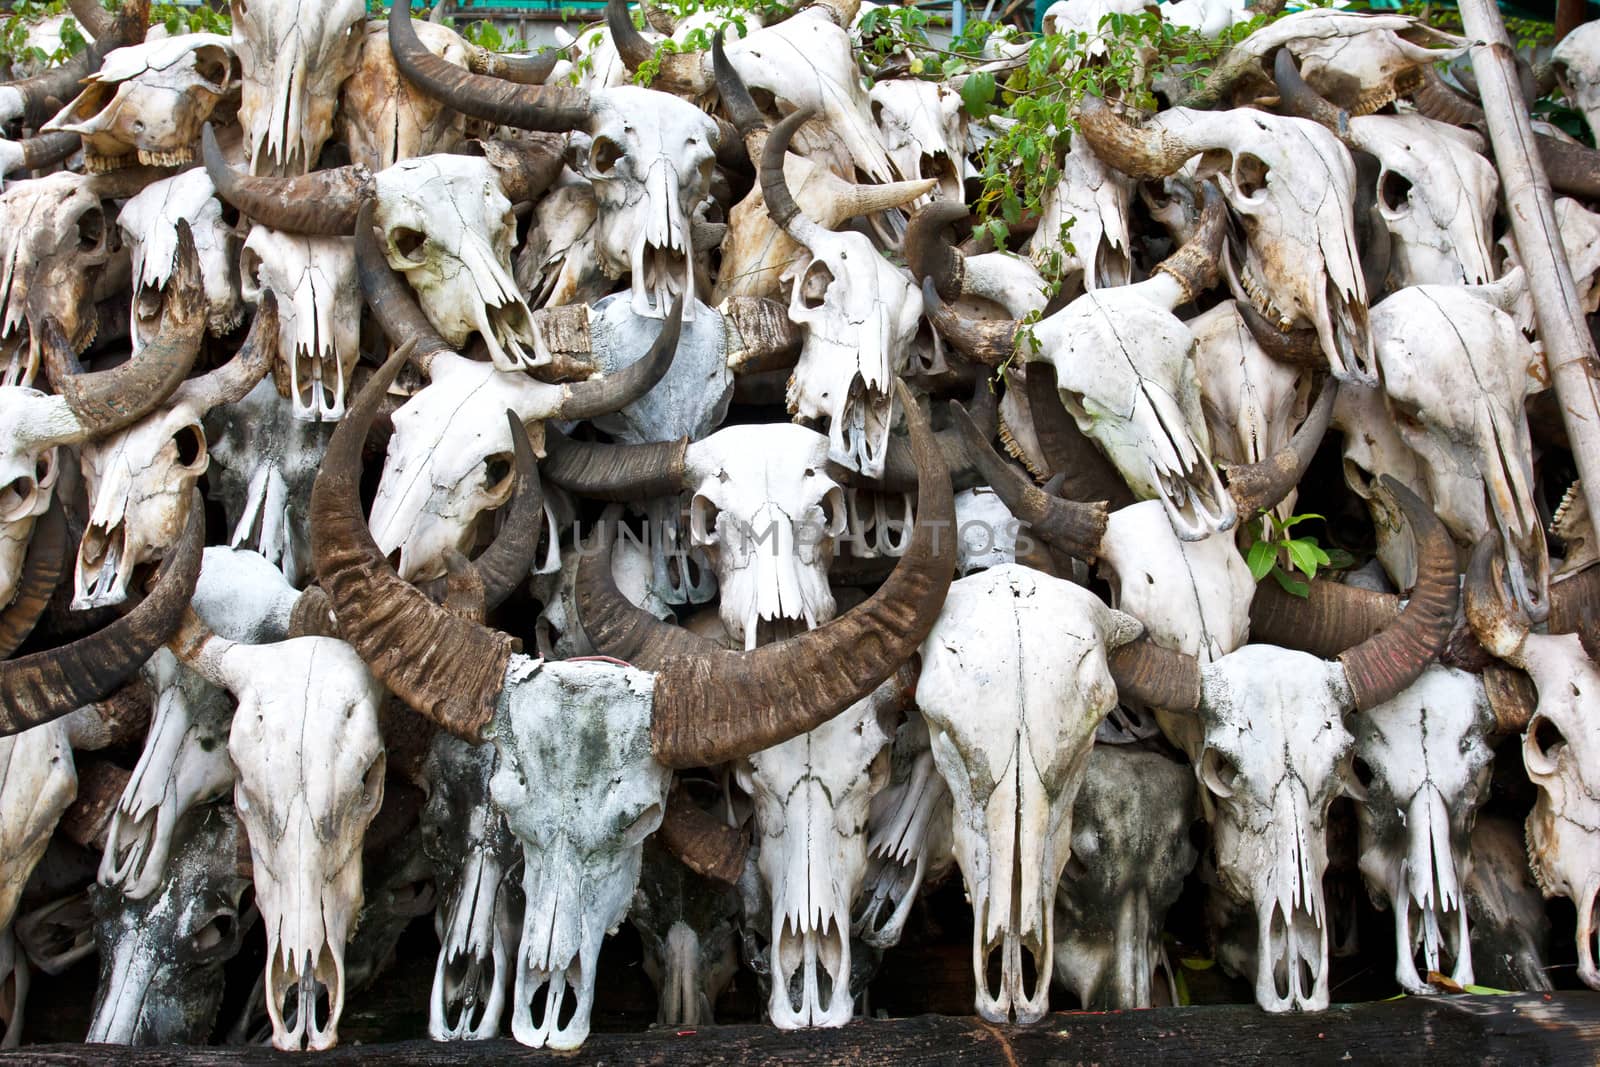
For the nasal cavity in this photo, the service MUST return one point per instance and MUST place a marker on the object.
(568, 1008)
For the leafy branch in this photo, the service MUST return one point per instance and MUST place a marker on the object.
(1275, 551)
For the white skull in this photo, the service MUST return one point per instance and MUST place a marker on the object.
(149, 225)
(56, 248)
(1084, 18)
(687, 928)
(1423, 759)
(1014, 683)
(1131, 852)
(922, 128)
(383, 118)
(1373, 447)
(1577, 64)
(1580, 239)
(649, 158)
(1456, 373)
(811, 796)
(767, 513)
(319, 314)
(1274, 750)
(295, 56)
(1250, 400)
(987, 534)
(148, 101)
(1092, 202)
(581, 790)
(448, 227)
(858, 314)
(32, 428)
(310, 764)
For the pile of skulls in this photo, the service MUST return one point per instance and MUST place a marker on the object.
(494, 489)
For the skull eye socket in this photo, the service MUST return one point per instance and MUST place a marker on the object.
(407, 244)
(1394, 192)
(91, 229)
(190, 441)
(1249, 175)
(213, 65)
(604, 154)
(642, 827)
(1542, 745)
(703, 520)
(1218, 772)
(217, 936)
(16, 498)
(372, 784)
(814, 284)
(498, 474)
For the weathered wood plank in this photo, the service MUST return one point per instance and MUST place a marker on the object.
(1522, 1031)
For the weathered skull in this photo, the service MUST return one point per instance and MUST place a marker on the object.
(1271, 764)
(1456, 373)
(382, 118)
(56, 247)
(1131, 851)
(295, 55)
(149, 227)
(1577, 63)
(1436, 195)
(310, 765)
(161, 957)
(921, 125)
(479, 920)
(650, 159)
(811, 799)
(32, 427)
(1423, 760)
(1509, 927)
(581, 790)
(148, 101)
(687, 926)
(987, 534)
(1373, 447)
(1091, 202)
(447, 226)
(1014, 683)
(319, 314)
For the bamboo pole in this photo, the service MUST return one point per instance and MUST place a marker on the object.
(1569, 350)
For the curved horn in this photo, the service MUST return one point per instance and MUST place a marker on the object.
(678, 72)
(446, 668)
(1074, 528)
(1088, 474)
(1329, 619)
(928, 255)
(736, 98)
(231, 382)
(1297, 98)
(1512, 697)
(1386, 663)
(393, 303)
(320, 204)
(1157, 677)
(532, 69)
(602, 396)
(705, 844)
(991, 342)
(110, 400)
(1119, 143)
(775, 187)
(42, 568)
(1194, 266)
(43, 687)
(621, 473)
(1259, 486)
(712, 704)
(551, 108)
(632, 48)
(1292, 348)
(1497, 620)
(47, 149)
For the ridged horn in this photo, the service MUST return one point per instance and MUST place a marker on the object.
(1498, 622)
(1194, 266)
(389, 296)
(1156, 677)
(1384, 664)
(1569, 598)
(527, 166)
(706, 845)
(1328, 620)
(602, 396)
(1512, 697)
(1074, 528)
(928, 255)
(534, 69)
(551, 108)
(775, 186)
(1137, 152)
(444, 667)
(1293, 348)
(990, 342)
(621, 473)
(48, 149)
(110, 400)
(44, 686)
(1259, 486)
(736, 98)
(320, 204)
(42, 568)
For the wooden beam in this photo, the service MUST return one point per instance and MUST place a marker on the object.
(1527, 1030)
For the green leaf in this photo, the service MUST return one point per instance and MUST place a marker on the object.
(1295, 520)
(1262, 556)
(1303, 556)
(1291, 585)
(976, 93)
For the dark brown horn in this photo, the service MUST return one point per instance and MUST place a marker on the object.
(1088, 474)
(533, 69)
(1383, 665)
(43, 687)
(1328, 620)
(1512, 697)
(504, 565)
(632, 48)
(48, 149)
(393, 303)
(678, 72)
(1568, 599)
(1497, 620)
(42, 568)
(705, 844)
(1134, 151)
(527, 166)
(928, 255)
(1259, 486)
(736, 98)
(111, 400)
(775, 187)
(1194, 266)
(1074, 528)
(602, 396)
(1292, 348)
(446, 668)
(232, 382)
(320, 204)
(990, 342)
(761, 335)
(615, 472)
(1297, 98)
(100, 786)
(1156, 677)
(551, 108)
(615, 625)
